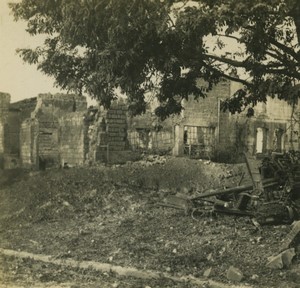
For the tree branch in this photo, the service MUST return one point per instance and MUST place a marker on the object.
(229, 77)
(275, 56)
(284, 71)
(285, 49)
(232, 62)
(229, 36)
(279, 45)
(236, 79)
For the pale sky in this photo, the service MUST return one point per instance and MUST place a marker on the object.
(17, 78)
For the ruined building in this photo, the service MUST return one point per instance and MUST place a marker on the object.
(58, 130)
(202, 130)
(46, 130)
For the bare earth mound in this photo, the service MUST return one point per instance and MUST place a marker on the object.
(111, 215)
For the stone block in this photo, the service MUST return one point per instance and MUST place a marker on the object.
(234, 274)
(275, 262)
(287, 257)
(282, 260)
(207, 272)
(292, 235)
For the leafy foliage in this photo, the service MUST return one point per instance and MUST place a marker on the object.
(137, 46)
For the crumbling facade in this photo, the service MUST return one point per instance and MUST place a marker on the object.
(196, 131)
(58, 130)
(42, 132)
(203, 130)
(107, 134)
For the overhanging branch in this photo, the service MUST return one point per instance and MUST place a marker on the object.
(229, 36)
(227, 76)
(285, 49)
(231, 62)
(273, 41)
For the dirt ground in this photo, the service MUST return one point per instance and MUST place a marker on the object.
(112, 215)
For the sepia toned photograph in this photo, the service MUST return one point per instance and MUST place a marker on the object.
(149, 144)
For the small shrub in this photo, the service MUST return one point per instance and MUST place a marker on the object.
(227, 154)
(141, 182)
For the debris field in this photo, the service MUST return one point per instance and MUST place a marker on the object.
(139, 215)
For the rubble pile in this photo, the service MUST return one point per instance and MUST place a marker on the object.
(272, 198)
(120, 215)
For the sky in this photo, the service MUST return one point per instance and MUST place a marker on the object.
(17, 78)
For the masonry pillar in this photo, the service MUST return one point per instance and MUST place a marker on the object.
(178, 140)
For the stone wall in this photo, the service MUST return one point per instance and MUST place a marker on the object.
(205, 114)
(112, 142)
(59, 104)
(72, 139)
(29, 143)
(146, 132)
(51, 130)
(107, 135)
(117, 127)
(54, 130)
(271, 128)
(12, 133)
(58, 130)
(18, 112)
(24, 107)
(60, 138)
(48, 141)
(202, 126)
(4, 111)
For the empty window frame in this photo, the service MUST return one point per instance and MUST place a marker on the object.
(198, 140)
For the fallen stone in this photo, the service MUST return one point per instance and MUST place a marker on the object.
(234, 274)
(207, 272)
(209, 257)
(287, 257)
(275, 262)
(254, 277)
(289, 239)
(282, 260)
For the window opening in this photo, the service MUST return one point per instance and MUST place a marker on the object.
(198, 141)
(278, 140)
(259, 140)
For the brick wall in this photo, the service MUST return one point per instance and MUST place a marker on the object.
(117, 127)
(107, 135)
(110, 133)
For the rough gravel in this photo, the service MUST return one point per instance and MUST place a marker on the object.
(111, 214)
